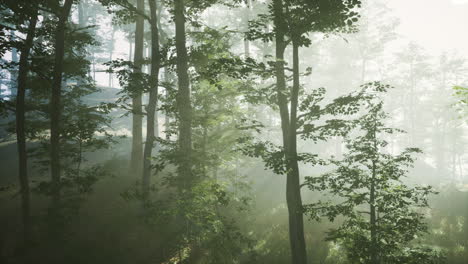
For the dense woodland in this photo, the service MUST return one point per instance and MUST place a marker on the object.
(228, 131)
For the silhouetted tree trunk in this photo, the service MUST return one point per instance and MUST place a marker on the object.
(288, 127)
(167, 121)
(293, 188)
(55, 104)
(130, 48)
(247, 18)
(137, 117)
(111, 52)
(373, 213)
(153, 98)
(81, 15)
(20, 128)
(14, 70)
(163, 38)
(183, 97)
(82, 23)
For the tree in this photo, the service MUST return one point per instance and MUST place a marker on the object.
(55, 100)
(183, 97)
(80, 120)
(153, 97)
(294, 20)
(382, 214)
(24, 17)
(20, 124)
(137, 111)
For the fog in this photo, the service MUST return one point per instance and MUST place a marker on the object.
(270, 131)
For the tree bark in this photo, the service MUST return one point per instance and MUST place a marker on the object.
(55, 104)
(153, 99)
(20, 128)
(183, 98)
(137, 117)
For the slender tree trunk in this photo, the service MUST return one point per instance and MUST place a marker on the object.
(167, 120)
(293, 195)
(266, 47)
(55, 104)
(153, 98)
(247, 18)
(373, 220)
(183, 98)
(373, 253)
(130, 48)
(111, 52)
(81, 15)
(94, 66)
(204, 143)
(293, 189)
(82, 23)
(279, 67)
(13, 72)
(167, 76)
(20, 128)
(137, 117)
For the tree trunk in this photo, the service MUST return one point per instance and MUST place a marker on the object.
(14, 71)
(153, 99)
(293, 189)
(20, 128)
(111, 52)
(137, 117)
(279, 67)
(183, 98)
(373, 230)
(373, 253)
(293, 194)
(130, 48)
(247, 18)
(81, 15)
(55, 104)
(82, 23)
(167, 120)
(167, 75)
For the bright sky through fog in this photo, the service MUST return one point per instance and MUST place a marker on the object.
(436, 25)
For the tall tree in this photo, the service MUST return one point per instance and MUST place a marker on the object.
(55, 102)
(25, 50)
(183, 96)
(293, 20)
(153, 97)
(293, 195)
(137, 117)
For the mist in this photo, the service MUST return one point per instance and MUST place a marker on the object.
(198, 132)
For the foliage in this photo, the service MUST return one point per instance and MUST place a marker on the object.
(302, 17)
(461, 93)
(368, 177)
(85, 127)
